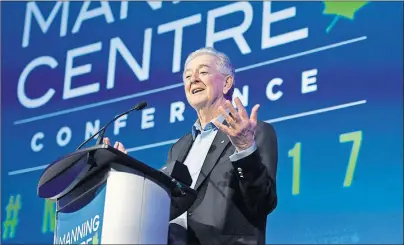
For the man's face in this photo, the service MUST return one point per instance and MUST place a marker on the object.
(203, 82)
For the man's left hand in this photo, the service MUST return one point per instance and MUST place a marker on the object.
(241, 128)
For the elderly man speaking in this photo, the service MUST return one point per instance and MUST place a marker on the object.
(231, 156)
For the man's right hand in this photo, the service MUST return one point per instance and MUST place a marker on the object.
(118, 145)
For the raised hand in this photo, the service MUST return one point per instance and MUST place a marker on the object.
(241, 128)
(118, 145)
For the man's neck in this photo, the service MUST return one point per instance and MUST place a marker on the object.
(207, 114)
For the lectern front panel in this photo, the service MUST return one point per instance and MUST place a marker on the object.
(80, 222)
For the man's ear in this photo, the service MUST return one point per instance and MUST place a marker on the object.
(228, 84)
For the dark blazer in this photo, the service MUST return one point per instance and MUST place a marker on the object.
(231, 207)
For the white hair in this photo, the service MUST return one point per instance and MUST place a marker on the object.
(224, 64)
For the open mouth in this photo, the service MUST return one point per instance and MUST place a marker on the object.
(197, 90)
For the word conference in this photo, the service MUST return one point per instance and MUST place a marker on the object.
(273, 92)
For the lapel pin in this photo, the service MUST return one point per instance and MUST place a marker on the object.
(222, 141)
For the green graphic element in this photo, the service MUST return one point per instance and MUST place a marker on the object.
(11, 221)
(95, 238)
(356, 138)
(49, 213)
(341, 9)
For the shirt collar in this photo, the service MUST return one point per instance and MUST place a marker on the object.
(197, 128)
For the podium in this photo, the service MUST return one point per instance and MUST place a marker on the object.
(104, 196)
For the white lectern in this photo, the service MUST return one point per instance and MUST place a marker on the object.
(104, 196)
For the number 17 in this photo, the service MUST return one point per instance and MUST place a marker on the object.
(296, 151)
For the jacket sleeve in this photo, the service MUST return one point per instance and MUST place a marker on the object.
(257, 172)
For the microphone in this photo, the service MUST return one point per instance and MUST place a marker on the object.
(178, 171)
(139, 106)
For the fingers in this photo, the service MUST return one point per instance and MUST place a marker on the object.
(107, 141)
(118, 145)
(233, 112)
(222, 127)
(254, 113)
(229, 119)
(241, 110)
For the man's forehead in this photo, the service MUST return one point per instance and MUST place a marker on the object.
(190, 67)
(204, 60)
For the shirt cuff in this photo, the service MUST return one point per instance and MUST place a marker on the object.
(242, 154)
(180, 220)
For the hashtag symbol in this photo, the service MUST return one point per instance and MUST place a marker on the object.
(11, 221)
(95, 238)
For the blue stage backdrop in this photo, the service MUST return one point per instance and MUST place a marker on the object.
(328, 77)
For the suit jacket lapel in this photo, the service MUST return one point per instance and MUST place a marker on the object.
(215, 151)
(187, 147)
